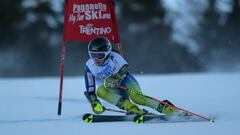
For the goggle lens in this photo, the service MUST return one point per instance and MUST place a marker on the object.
(99, 55)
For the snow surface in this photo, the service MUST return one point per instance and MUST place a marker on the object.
(28, 106)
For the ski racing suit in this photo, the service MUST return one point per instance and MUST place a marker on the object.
(114, 64)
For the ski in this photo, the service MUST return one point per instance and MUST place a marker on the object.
(138, 119)
(94, 118)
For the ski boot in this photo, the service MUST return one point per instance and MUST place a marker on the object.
(168, 108)
(131, 108)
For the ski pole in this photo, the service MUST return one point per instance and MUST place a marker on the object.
(157, 100)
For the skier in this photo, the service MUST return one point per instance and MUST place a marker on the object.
(104, 71)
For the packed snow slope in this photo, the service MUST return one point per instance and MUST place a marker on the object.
(28, 106)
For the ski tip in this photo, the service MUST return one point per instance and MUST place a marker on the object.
(211, 120)
(88, 118)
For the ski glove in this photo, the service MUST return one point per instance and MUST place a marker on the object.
(113, 81)
(97, 107)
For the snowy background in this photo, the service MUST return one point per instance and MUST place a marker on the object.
(186, 51)
(29, 106)
(201, 37)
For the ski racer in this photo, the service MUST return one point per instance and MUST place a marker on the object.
(105, 71)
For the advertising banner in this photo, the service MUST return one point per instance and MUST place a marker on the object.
(87, 19)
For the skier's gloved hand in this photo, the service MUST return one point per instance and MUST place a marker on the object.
(97, 107)
(110, 83)
(113, 81)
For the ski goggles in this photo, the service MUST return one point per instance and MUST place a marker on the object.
(99, 55)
